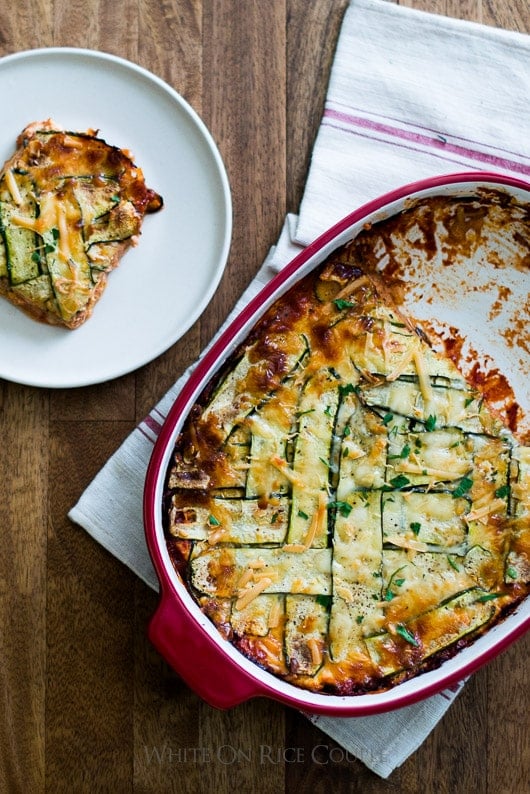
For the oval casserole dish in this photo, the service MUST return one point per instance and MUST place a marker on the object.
(181, 630)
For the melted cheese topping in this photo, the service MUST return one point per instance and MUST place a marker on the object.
(357, 508)
(13, 188)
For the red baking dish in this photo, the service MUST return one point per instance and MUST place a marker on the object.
(183, 635)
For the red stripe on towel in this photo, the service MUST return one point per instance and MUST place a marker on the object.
(431, 141)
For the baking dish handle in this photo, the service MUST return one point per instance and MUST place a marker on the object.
(211, 673)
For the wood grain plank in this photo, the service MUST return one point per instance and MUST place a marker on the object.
(167, 749)
(25, 25)
(244, 106)
(169, 44)
(509, 14)
(90, 641)
(312, 31)
(451, 759)
(507, 724)
(95, 25)
(430, 6)
(118, 28)
(23, 471)
(113, 400)
(465, 9)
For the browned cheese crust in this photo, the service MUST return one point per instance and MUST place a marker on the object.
(341, 502)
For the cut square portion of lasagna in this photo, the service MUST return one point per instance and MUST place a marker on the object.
(70, 206)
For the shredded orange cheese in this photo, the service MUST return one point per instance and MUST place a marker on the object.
(283, 467)
(423, 377)
(442, 474)
(400, 368)
(407, 543)
(275, 614)
(315, 651)
(316, 523)
(253, 592)
(352, 287)
(215, 536)
(246, 577)
(484, 512)
(317, 519)
(12, 186)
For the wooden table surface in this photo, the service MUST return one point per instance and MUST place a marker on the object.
(86, 704)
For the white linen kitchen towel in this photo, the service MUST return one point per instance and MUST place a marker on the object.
(413, 95)
(410, 95)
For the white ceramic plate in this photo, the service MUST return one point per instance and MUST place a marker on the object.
(165, 283)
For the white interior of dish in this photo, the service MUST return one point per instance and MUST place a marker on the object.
(498, 636)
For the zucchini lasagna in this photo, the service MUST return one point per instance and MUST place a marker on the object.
(341, 502)
(70, 206)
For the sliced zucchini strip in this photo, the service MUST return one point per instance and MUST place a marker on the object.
(246, 572)
(312, 461)
(243, 521)
(305, 633)
(425, 635)
(18, 212)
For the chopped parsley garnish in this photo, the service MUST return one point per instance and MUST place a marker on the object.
(415, 526)
(398, 482)
(387, 418)
(405, 452)
(303, 515)
(430, 422)
(389, 595)
(359, 619)
(213, 521)
(340, 303)
(323, 600)
(502, 492)
(348, 388)
(405, 633)
(463, 487)
(274, 518)
(343, 507)
(452, 563)
(489, 597)
(512, 573)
